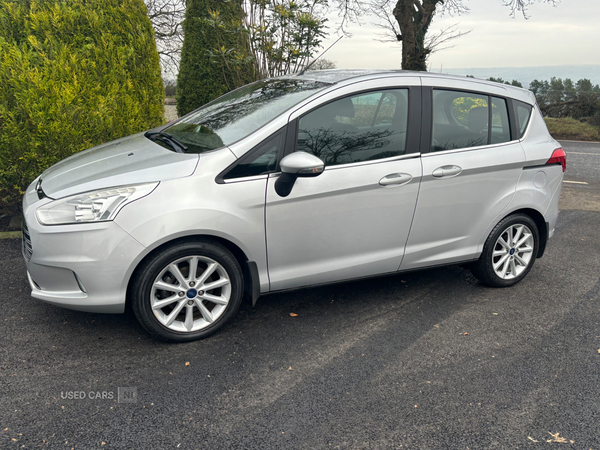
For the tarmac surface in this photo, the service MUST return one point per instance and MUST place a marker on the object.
(423, 360)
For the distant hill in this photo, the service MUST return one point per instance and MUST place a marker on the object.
(527, 74)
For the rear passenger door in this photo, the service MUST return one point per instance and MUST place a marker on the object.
(471, 166)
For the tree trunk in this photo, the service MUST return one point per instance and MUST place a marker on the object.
(414, 18)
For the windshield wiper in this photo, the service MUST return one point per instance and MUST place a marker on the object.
(168, 139)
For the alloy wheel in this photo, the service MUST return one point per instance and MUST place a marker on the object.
(190, 293)
(513, 251)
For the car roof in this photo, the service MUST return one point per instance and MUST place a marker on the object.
(346, 76)
(340, 75)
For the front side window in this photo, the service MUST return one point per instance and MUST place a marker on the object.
(358, 128)
(462, 120)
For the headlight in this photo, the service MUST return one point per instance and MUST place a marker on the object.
(96, 206)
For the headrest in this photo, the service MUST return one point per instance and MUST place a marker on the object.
(478, 118)
(343, 107)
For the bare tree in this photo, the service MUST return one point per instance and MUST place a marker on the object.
(413, 18)
(167, 18)
(434, 42)
(323, 64)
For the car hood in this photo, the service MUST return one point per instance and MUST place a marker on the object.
(130, 160)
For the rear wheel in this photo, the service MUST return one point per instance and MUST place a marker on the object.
(509, 252)
(187, 291)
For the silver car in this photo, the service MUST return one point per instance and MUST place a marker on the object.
(292, 182)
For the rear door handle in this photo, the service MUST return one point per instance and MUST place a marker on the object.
(395, 179)
(446, 171)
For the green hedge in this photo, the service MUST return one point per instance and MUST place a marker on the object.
(73, 74)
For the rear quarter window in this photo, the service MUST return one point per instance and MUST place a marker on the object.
(522, 113)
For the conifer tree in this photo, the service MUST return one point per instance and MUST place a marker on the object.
(202, 77)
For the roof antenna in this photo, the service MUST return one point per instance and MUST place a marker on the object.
(315, 60)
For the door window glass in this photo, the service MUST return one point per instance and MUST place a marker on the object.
(500, 125)
(460, 120)
(363, 127)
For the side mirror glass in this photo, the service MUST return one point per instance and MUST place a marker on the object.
(302, 164)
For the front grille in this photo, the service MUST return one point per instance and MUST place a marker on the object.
(26, 246)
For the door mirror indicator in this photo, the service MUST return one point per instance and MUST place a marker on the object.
(302, 164)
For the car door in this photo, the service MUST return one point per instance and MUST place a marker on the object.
(470, 171)
(353, 219)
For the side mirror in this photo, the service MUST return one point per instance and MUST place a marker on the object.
(302, 164)
(297, 164)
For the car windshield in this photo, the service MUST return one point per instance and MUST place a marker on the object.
(240, 113)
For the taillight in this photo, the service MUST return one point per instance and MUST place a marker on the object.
(558, 157)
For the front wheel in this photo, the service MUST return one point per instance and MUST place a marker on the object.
(509, 252)
(187, 291)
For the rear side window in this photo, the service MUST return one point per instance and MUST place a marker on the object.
(500, 131)
(522, 113)
(364, 127)
(465, 119)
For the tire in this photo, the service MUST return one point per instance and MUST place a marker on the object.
(509, 252)
(176, 305)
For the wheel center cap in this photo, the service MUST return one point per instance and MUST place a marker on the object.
(192, 293)
(512, 251)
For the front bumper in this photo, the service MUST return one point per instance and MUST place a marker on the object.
(85, 267)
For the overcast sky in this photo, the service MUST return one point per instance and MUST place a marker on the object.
(562, 35)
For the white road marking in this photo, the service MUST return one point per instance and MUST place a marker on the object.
(575, 182)
(581, 153)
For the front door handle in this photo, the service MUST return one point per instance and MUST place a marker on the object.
(395, 179)
(446, 171)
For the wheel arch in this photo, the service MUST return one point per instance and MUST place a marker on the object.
(540, 222)
(249, 268)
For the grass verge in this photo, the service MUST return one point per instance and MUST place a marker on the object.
(568, 128)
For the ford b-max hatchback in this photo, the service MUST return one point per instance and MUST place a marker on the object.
(292, 182)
